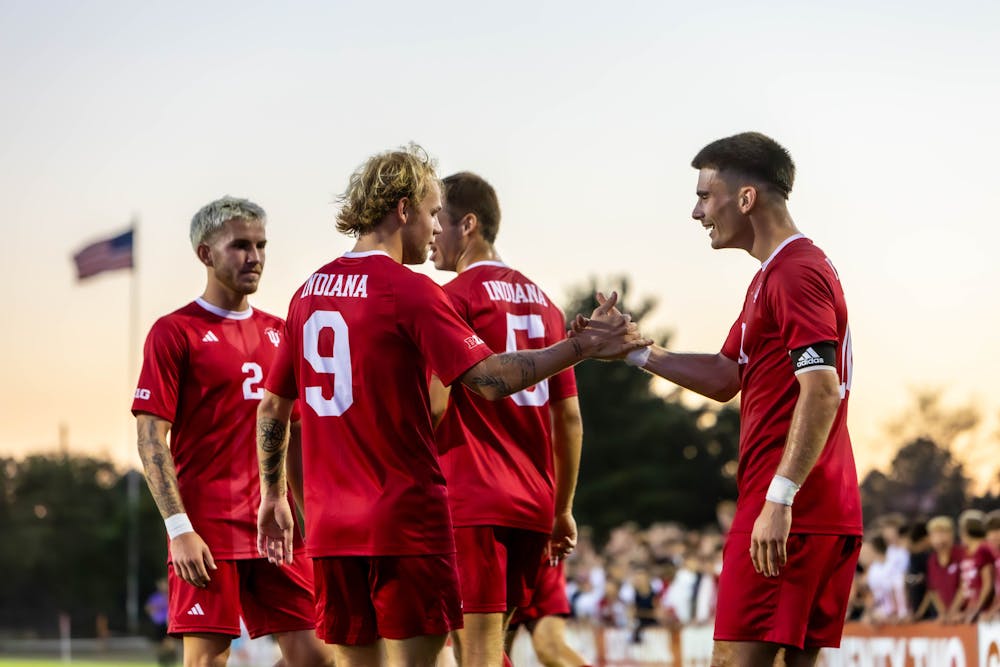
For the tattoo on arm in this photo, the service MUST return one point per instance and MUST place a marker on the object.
(511, 372)
(272, 445)
(158, 466)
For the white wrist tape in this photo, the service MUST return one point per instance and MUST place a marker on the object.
(178, 524)
(638, 358)
(782, 490)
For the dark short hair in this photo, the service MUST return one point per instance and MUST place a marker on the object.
(466, 193)
(752, 155)
(993, 521)
(879, 544)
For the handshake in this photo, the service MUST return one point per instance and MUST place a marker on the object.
(608, 334)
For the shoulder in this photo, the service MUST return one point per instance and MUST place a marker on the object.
(266, 319)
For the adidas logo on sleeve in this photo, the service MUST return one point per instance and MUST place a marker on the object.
(818, 355)
(808, 358)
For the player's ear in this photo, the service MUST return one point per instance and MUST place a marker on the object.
(746, 199)
(470, 223)
(403, 209)
(204, 254)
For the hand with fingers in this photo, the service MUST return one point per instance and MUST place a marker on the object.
(274, 530)
(563, 538)
(192, 559)
(769, 538)
(607, 333)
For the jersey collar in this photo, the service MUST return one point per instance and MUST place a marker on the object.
(793, 237)
(366, 253)
(222, 312)
(485, 262)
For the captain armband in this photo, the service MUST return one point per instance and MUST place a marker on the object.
(814, 357)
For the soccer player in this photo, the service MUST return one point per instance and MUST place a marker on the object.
(787, 569)
(511, 465)
(201, 381)
(363, 335)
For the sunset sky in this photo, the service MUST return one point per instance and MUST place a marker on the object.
(584, 116)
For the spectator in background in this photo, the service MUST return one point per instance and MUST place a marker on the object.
(993, 540)
(611, 611)
(888, 597)
(643, 605)
(158, 610)
(976, 568)
(943, 576)
(896, 555)
(918, 545)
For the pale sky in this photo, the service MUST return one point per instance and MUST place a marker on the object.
(585, 117)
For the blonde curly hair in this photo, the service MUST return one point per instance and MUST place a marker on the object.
(377, 186)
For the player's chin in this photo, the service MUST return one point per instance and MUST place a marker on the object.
(249, 284)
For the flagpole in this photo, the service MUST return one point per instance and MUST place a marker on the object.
(132, 476)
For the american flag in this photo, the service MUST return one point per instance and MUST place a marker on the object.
(105, 255)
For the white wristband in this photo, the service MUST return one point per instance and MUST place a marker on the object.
(782, 490)
(178, 524)
(638, 358)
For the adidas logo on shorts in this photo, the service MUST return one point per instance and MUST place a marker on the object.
(196, 610)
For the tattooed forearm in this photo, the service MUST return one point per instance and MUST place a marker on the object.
(272, 445)
(158, 465)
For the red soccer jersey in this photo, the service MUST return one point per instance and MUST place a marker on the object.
(497, 455)
(971, 568)
(794, 301)
(203, 371)
(944, 579)
(361, 335)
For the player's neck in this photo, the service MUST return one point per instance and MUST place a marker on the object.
(770, 230)
(226, 299)
(375, 240)
(477, 252)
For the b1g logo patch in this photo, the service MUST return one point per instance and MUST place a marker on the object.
(142, 394)
(273, 336)
(473, 341)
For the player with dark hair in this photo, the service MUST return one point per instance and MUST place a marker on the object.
(512, 464)
(787, 570)
(201, 381)
(362, 336)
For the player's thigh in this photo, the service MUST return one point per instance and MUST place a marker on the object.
(548, 639)
(525, 550)
(413, 652)
(369, 655)
(345, 613)
(413, 596)
(302, 648)
(482, 567)
(277, 599)
(744, 654)
(480, 642)
(206, 650)
(213, 610)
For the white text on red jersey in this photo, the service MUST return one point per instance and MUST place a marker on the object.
(501, 290)
(336, 284)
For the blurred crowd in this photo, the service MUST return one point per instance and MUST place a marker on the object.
(941, 568)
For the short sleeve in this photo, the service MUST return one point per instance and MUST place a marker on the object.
(449, 346)
(801, 301)
(163, 359)
(731, 346)
(984, 556)
(281, 378)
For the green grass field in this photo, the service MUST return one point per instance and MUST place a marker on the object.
(55, 662)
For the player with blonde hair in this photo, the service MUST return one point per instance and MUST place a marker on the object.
(363, 334)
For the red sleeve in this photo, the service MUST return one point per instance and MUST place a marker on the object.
(801, 302)
(731, 348)
(446, 341)
(984, 556)
(281, 378)
(163, 361)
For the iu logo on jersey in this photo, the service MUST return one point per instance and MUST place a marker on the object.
(273, 336)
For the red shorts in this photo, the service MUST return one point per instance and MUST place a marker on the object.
(549, 598)
(364, 598)
(270, 599)
(497, 566)
(804, 606)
